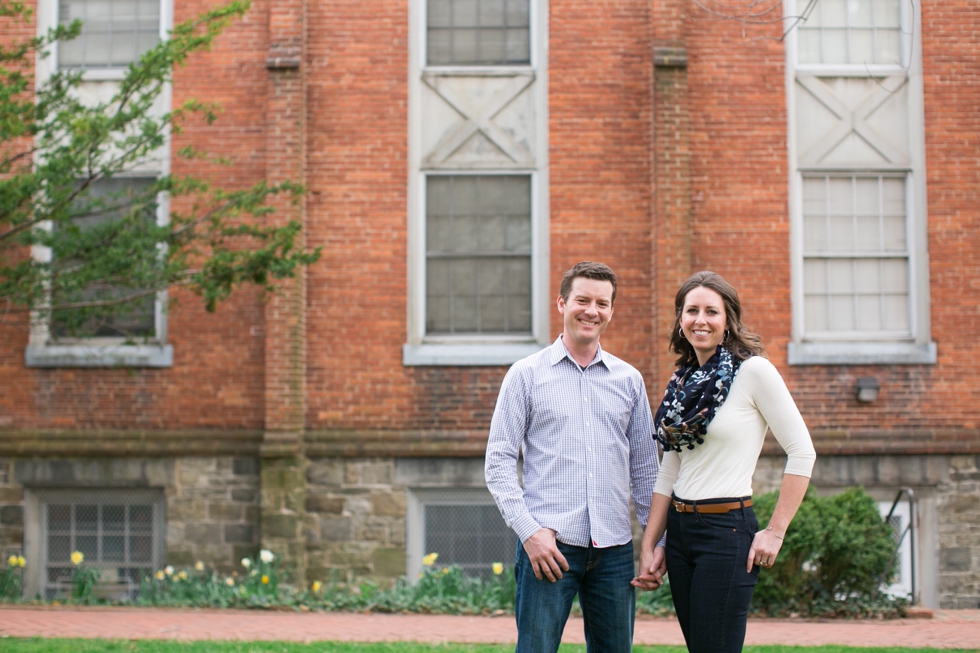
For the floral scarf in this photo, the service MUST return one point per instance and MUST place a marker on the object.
(693, 396)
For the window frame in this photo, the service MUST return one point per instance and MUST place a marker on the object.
(41, 351)
(476, 349)
(35, 532)
(47, 18)
(826, 349)
(417, 499)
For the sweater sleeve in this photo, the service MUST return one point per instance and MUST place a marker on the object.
(776, 405)
(669, 467)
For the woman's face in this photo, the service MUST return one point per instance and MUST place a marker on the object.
(703, 321)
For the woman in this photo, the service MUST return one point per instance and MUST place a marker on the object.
(711, 423)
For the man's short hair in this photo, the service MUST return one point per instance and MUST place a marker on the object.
(588, 270)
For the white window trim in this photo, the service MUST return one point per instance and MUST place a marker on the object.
(35, 545)
(919, 348)
(477, 349)
(415, 519)
(47, 18)
(103, 352)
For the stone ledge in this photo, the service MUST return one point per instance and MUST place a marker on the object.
(126, 442)
(897, 441)
(395, 443)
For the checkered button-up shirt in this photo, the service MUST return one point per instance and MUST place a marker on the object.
(587, 435)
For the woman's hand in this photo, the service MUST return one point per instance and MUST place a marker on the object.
(765, 547)
(653, 566)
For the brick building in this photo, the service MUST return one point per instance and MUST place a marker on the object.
(459, 156)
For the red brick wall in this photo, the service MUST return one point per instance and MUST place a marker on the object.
(217, 380)
(603, 184)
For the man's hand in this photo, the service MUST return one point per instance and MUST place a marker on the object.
(653, 566)
(546, 559)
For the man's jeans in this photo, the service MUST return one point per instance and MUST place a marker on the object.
(602, 579)
(706, 556)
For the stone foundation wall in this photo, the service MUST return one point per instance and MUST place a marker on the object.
(959, 534)
(355, 519)
(212, 510)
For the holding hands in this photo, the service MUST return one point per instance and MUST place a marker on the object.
(653, 566)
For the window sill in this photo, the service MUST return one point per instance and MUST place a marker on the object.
(99, 356)
(469, 354)
(861, 353)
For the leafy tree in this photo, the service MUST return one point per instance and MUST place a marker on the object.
(61, 162)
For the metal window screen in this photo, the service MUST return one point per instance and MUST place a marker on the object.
(470, 536)
(852, 32)
(118, 535)
(139, 318)
(114, 32)
(856, 256)
(478, 254)
(478, 32)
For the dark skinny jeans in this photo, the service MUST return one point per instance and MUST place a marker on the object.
(706, 556)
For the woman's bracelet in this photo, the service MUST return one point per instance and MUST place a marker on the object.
(778, 536)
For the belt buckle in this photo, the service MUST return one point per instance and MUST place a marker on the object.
(678, 506)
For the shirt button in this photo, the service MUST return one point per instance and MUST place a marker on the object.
(590, 475)
(585, 399)
(587, 424)
(589, 448)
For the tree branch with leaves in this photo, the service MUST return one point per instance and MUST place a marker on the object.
(62, 160)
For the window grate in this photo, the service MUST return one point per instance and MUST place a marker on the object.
(119, 535)
(478, 251)
(114, 32)
(472, 537)
(478, 32)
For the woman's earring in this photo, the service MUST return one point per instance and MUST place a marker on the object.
(680, 332)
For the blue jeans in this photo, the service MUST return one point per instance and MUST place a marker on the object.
(601, 577)
(706, 556)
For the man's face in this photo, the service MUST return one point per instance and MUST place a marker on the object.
(587, 311)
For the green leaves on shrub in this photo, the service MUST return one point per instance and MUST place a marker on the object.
(837, 553)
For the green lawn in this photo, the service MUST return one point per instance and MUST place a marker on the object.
(38, 645)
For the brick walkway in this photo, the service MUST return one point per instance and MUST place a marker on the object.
(949, 629)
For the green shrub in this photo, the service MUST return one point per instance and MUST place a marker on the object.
(837, 553)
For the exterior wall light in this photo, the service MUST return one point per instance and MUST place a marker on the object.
(867, 389)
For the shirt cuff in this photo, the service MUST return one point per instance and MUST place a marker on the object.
(525, 527)
(663, 540)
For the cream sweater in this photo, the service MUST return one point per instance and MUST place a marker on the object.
(724, 464)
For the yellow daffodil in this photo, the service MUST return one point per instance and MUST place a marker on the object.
(498, 568)
(169, 570)
(20, 561)
(317, 585)
(265, 579)
(160, 575)
(246, 563)
(182, 575)
(230, 582)
(199, 566)
(77, 557)
(445, 570)
(430, 559)
(12, 561)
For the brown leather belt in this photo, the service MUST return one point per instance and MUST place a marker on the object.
(710, 508)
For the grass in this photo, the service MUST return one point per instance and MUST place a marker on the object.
(39, 645)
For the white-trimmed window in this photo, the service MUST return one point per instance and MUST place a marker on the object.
(121, 533)
(463, 526)
(114, 34)
(478, 178)
(857, 185)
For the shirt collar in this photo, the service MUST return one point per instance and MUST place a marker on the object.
(559, 352)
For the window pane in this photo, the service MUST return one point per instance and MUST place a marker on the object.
(814, 233)
(886, 13)
(866, 232)
(809, 46)
(866, 277)
(815, 276)
(59, 548)
(835, 46)
(478, 32)
(113, 519)
(113, 548)
(59, 518)
(815, 313)
(860, 13)
(840, 315)
(896, 308)
(114, 33)
(86, 518)
(895, 276)
(862, 46)
(833, 13)
(472, 537)
(478, 273)
(868, 313)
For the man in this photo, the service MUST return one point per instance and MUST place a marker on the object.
(583, 419)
